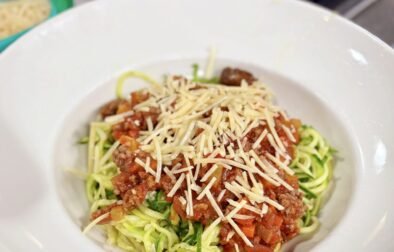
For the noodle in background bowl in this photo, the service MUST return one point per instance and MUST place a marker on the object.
(56, 7)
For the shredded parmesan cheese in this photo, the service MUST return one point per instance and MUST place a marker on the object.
(95, 222)
(280, 164)
(214, 204)
(288, 133)
(118, 117)
(146, 166)
(209, 173)
(240, 233)
(246, 206)
(221, 194)
(169, 174)
(236, 209)
(189, 168)
(206, 189)
(182, 200)
(189, 195)
(230, 235)
(177, 185)
(236, 247)
(259, 139)
(243, 217)
(158, 159)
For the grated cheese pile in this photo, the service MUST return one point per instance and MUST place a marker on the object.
(194, 123)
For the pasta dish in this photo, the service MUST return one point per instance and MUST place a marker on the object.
(203, 164)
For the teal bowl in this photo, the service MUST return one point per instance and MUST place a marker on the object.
(57, 6)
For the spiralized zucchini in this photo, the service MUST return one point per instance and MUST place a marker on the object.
(133, 74)
(313, 166)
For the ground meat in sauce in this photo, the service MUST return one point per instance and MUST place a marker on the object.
(102, 211)
(294, 209)
(138, 97)
(265, 145)
(166, 184)
(234, 77)
(132, 125)
(136, 195)
(275, 226)
(123, 157)
(203, 211)
(133, 183)
(115, 107)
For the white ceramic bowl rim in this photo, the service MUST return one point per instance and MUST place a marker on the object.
(55, 67)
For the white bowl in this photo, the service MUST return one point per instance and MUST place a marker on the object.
(325, 70)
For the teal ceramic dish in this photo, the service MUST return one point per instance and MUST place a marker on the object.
(57, 6)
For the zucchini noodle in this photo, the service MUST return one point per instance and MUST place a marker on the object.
(133, 74)
(313, 167)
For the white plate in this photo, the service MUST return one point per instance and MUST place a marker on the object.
(324, 69)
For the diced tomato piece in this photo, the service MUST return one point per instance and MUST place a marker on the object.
(246, 222)
(134, 168)
(133, 133)
(272, 220)
(292, 180)
(123, 107)
(268, 185)
(275, 238)
(131, 142)
(296, 123)
(249, 230)
(269, 235)
(117, 213)
(264, 233)
(197, 215)
(153, 164)
(138, 97)
(117, 134)
(278, 221)
(124, 139)
(228, 248)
